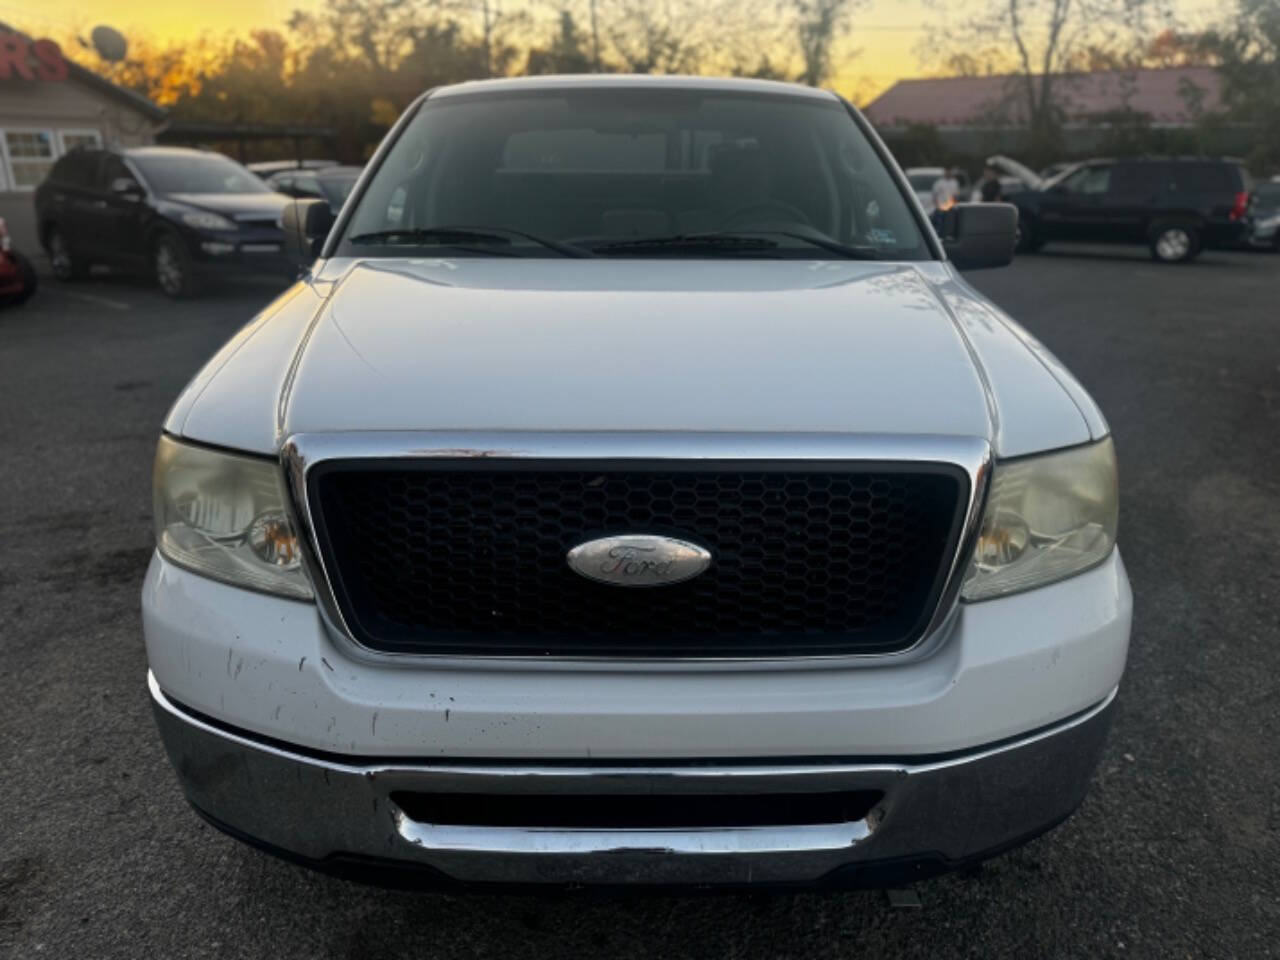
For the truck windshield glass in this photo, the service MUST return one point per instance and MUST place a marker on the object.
(210, 173)
(601, 168)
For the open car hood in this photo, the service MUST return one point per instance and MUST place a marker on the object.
(1013, 168)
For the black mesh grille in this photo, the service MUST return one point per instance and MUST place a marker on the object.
(458, 558)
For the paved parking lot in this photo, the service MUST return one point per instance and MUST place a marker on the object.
(1174, 853)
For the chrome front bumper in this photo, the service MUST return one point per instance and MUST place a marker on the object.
(339, 814)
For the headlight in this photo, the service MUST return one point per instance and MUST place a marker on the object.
(204, 220)
(1047, 517)
(223, 515)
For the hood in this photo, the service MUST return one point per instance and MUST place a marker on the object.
(635, 345)
(237, 206)
(484, 344)
(1014, 169)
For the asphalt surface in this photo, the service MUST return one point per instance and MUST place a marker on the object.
(1174, 853)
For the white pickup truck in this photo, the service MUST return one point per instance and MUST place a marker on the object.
(634, 492)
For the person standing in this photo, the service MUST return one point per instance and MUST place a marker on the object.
(990, 189)
(945, 190)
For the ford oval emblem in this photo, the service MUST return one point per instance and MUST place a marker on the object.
(639, 560)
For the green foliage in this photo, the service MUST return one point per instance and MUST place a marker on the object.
(1248, 53)
(919, 145)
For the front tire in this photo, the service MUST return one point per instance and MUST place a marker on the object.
(1028, 239)
(67, 266)
(1174, 243)
(172, 268)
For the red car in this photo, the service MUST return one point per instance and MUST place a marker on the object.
(17, 275)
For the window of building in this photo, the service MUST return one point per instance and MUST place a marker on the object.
(79, 138)
(29, 155)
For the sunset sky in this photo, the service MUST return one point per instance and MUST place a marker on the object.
(886, 31)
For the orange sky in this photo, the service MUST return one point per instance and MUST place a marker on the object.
(885, 33)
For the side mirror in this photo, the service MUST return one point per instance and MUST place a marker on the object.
(127, 188)
(306, 223)
(978, 236)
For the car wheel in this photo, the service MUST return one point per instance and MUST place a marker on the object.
(172, 267)
(1174, 243)
(1027, 241)
(66, 265)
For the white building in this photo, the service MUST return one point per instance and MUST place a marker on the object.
(49, 105)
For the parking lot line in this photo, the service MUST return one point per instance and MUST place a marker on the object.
(91, 298)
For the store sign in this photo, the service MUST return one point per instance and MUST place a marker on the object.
(24, 59)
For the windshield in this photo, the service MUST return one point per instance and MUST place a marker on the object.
(923, 182)
(197, 173)
(602, 169)
(1061, 175)
(336, 189)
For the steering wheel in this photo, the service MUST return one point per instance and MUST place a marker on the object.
(752, 214)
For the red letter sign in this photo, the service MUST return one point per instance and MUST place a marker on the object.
(13, 57)
(53, 65)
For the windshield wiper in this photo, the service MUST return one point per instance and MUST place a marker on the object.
(834, 246)
(730, 240)
(452, 236)
(716, 242)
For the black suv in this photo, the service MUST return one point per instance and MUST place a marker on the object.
(1178, 206)
(179, 214)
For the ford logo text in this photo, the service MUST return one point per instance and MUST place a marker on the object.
(639, 560)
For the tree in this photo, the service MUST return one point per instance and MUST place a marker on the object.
(565, 54)
(818, 25)
(682, 36)
(762, 68)
(1247, 49)
(1043, 40)
(649, 37)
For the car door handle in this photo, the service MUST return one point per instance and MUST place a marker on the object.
(99, 204)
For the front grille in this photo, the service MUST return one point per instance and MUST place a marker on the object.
(469, 557)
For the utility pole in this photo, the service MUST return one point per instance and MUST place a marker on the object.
(488, 37)
(595, 40)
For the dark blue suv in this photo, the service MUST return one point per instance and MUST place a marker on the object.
(1177, 206)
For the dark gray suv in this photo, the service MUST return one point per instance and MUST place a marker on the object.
(178, 214)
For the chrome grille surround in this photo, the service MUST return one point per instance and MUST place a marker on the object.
(301, 452)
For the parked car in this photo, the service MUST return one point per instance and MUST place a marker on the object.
(1015, 177)
(333, 185)
(265, 168)
(922, 180)
(633, 492)
(181, 215)
(17, 275)
(1177, 206)
(1264, 215)
(1052, 170)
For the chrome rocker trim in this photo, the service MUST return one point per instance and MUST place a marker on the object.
(973, 455)
(312, 809)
